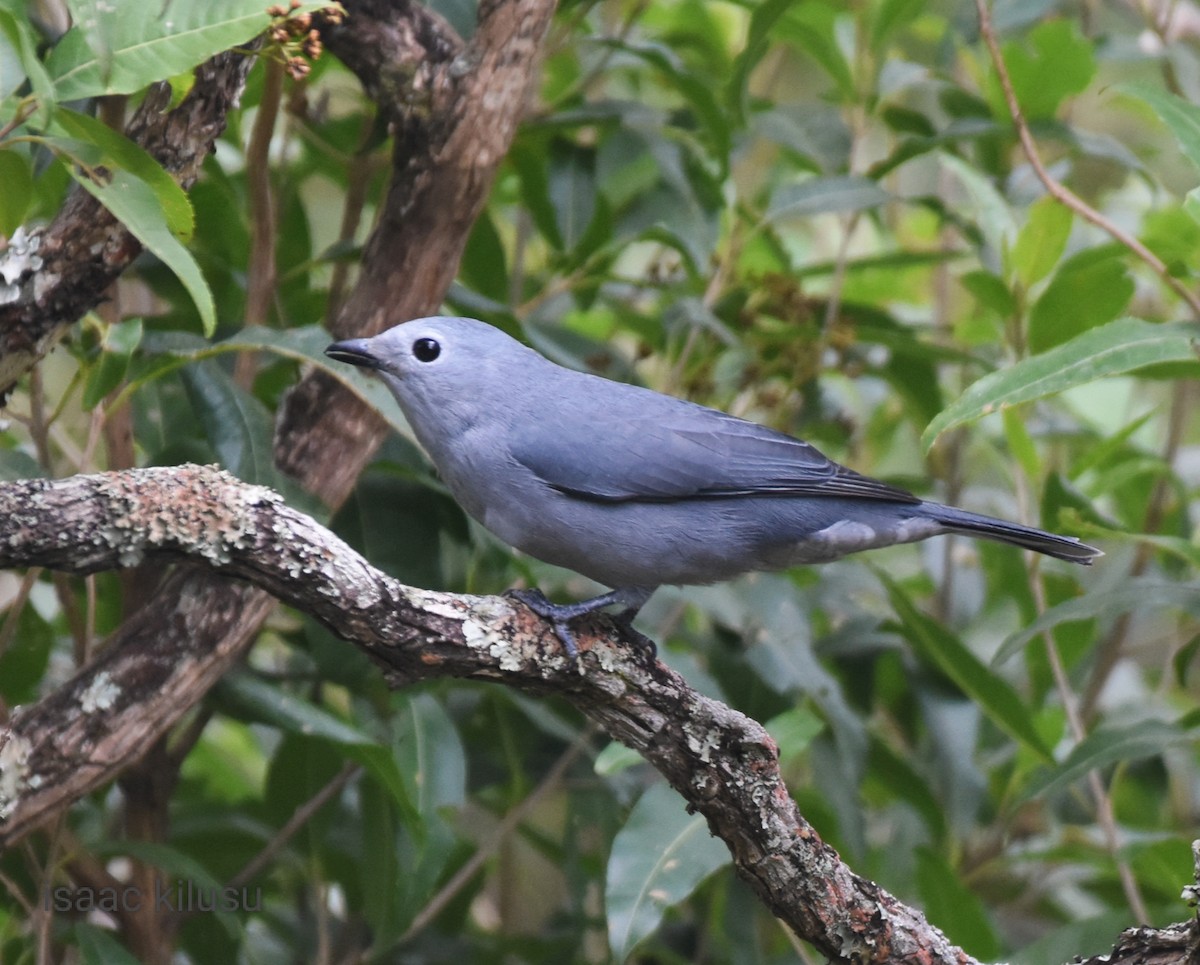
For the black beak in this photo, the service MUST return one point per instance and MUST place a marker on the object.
(355, 351)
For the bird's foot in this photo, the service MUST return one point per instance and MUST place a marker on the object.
(625, 622)
(559, 615)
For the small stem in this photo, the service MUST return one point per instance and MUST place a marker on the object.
(1056, 189)
(261, 272)
(504, 830)
(299, 818)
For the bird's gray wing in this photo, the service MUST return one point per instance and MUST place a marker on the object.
(679, 451)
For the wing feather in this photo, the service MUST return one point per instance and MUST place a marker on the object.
(652, 448)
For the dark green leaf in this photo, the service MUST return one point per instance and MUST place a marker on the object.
(825, 195)
(994, 696)
(1113, 744)
(238, 426)
(116, 348)
(18, 191)
(660, 856)
(953, 907)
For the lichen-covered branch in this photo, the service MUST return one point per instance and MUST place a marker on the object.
(724, 764)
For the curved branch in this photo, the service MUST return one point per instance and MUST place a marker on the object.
(724, 764)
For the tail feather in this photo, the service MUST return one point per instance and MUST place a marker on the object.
(1067, 548)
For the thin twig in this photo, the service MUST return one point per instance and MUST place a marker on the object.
(1055, 188)
(511, 821)
(260, 282)
(299, 818)
(1105, 816)
(1111, 647)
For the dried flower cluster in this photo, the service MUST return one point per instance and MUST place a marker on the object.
(294, 34)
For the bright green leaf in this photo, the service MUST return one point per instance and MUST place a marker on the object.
(1051, 62)
(1041, 241)
(140, 46)
(1122, 346)
(118, 151)
(135, 204)
(1089, 290)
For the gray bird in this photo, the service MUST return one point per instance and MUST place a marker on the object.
(630, 487)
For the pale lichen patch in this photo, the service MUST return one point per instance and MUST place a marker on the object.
(100, 694)
(702, 742)
(439, 604)
(211, 513)
(14, 770)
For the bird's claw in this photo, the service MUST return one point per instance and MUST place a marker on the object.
(558, 615)
(536, 600)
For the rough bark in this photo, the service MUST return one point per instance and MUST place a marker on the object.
(724, 764)
(51, 276)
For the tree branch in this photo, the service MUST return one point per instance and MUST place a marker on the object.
(724, 764)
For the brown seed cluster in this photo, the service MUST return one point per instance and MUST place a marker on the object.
(295, 36)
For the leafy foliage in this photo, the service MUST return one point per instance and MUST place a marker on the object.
(814, 215)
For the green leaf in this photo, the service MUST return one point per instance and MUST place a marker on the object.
(990, 291)
(19, 40)
(136, 205)
(139, 45)
(1089, 290)
(18, 191)
(953, 907)
(794, 730)
(116, 348)
(697, 93)
(1111, 745)
(98, 946)
(825, 195)
(812, 28)
(658, 859)
(429, 753)
(258, 700)
(761, 20)
(118, 151)
(991, 693)
(1122, 346)
(1105, 603)
(892, 15)
(1181, 116)
(572, 191)
(614, 758)
(1050, 63)
(1041, 241)
(238, 426)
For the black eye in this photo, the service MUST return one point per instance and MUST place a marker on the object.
(426, 349)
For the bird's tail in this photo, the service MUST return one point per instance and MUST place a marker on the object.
(973, 524)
